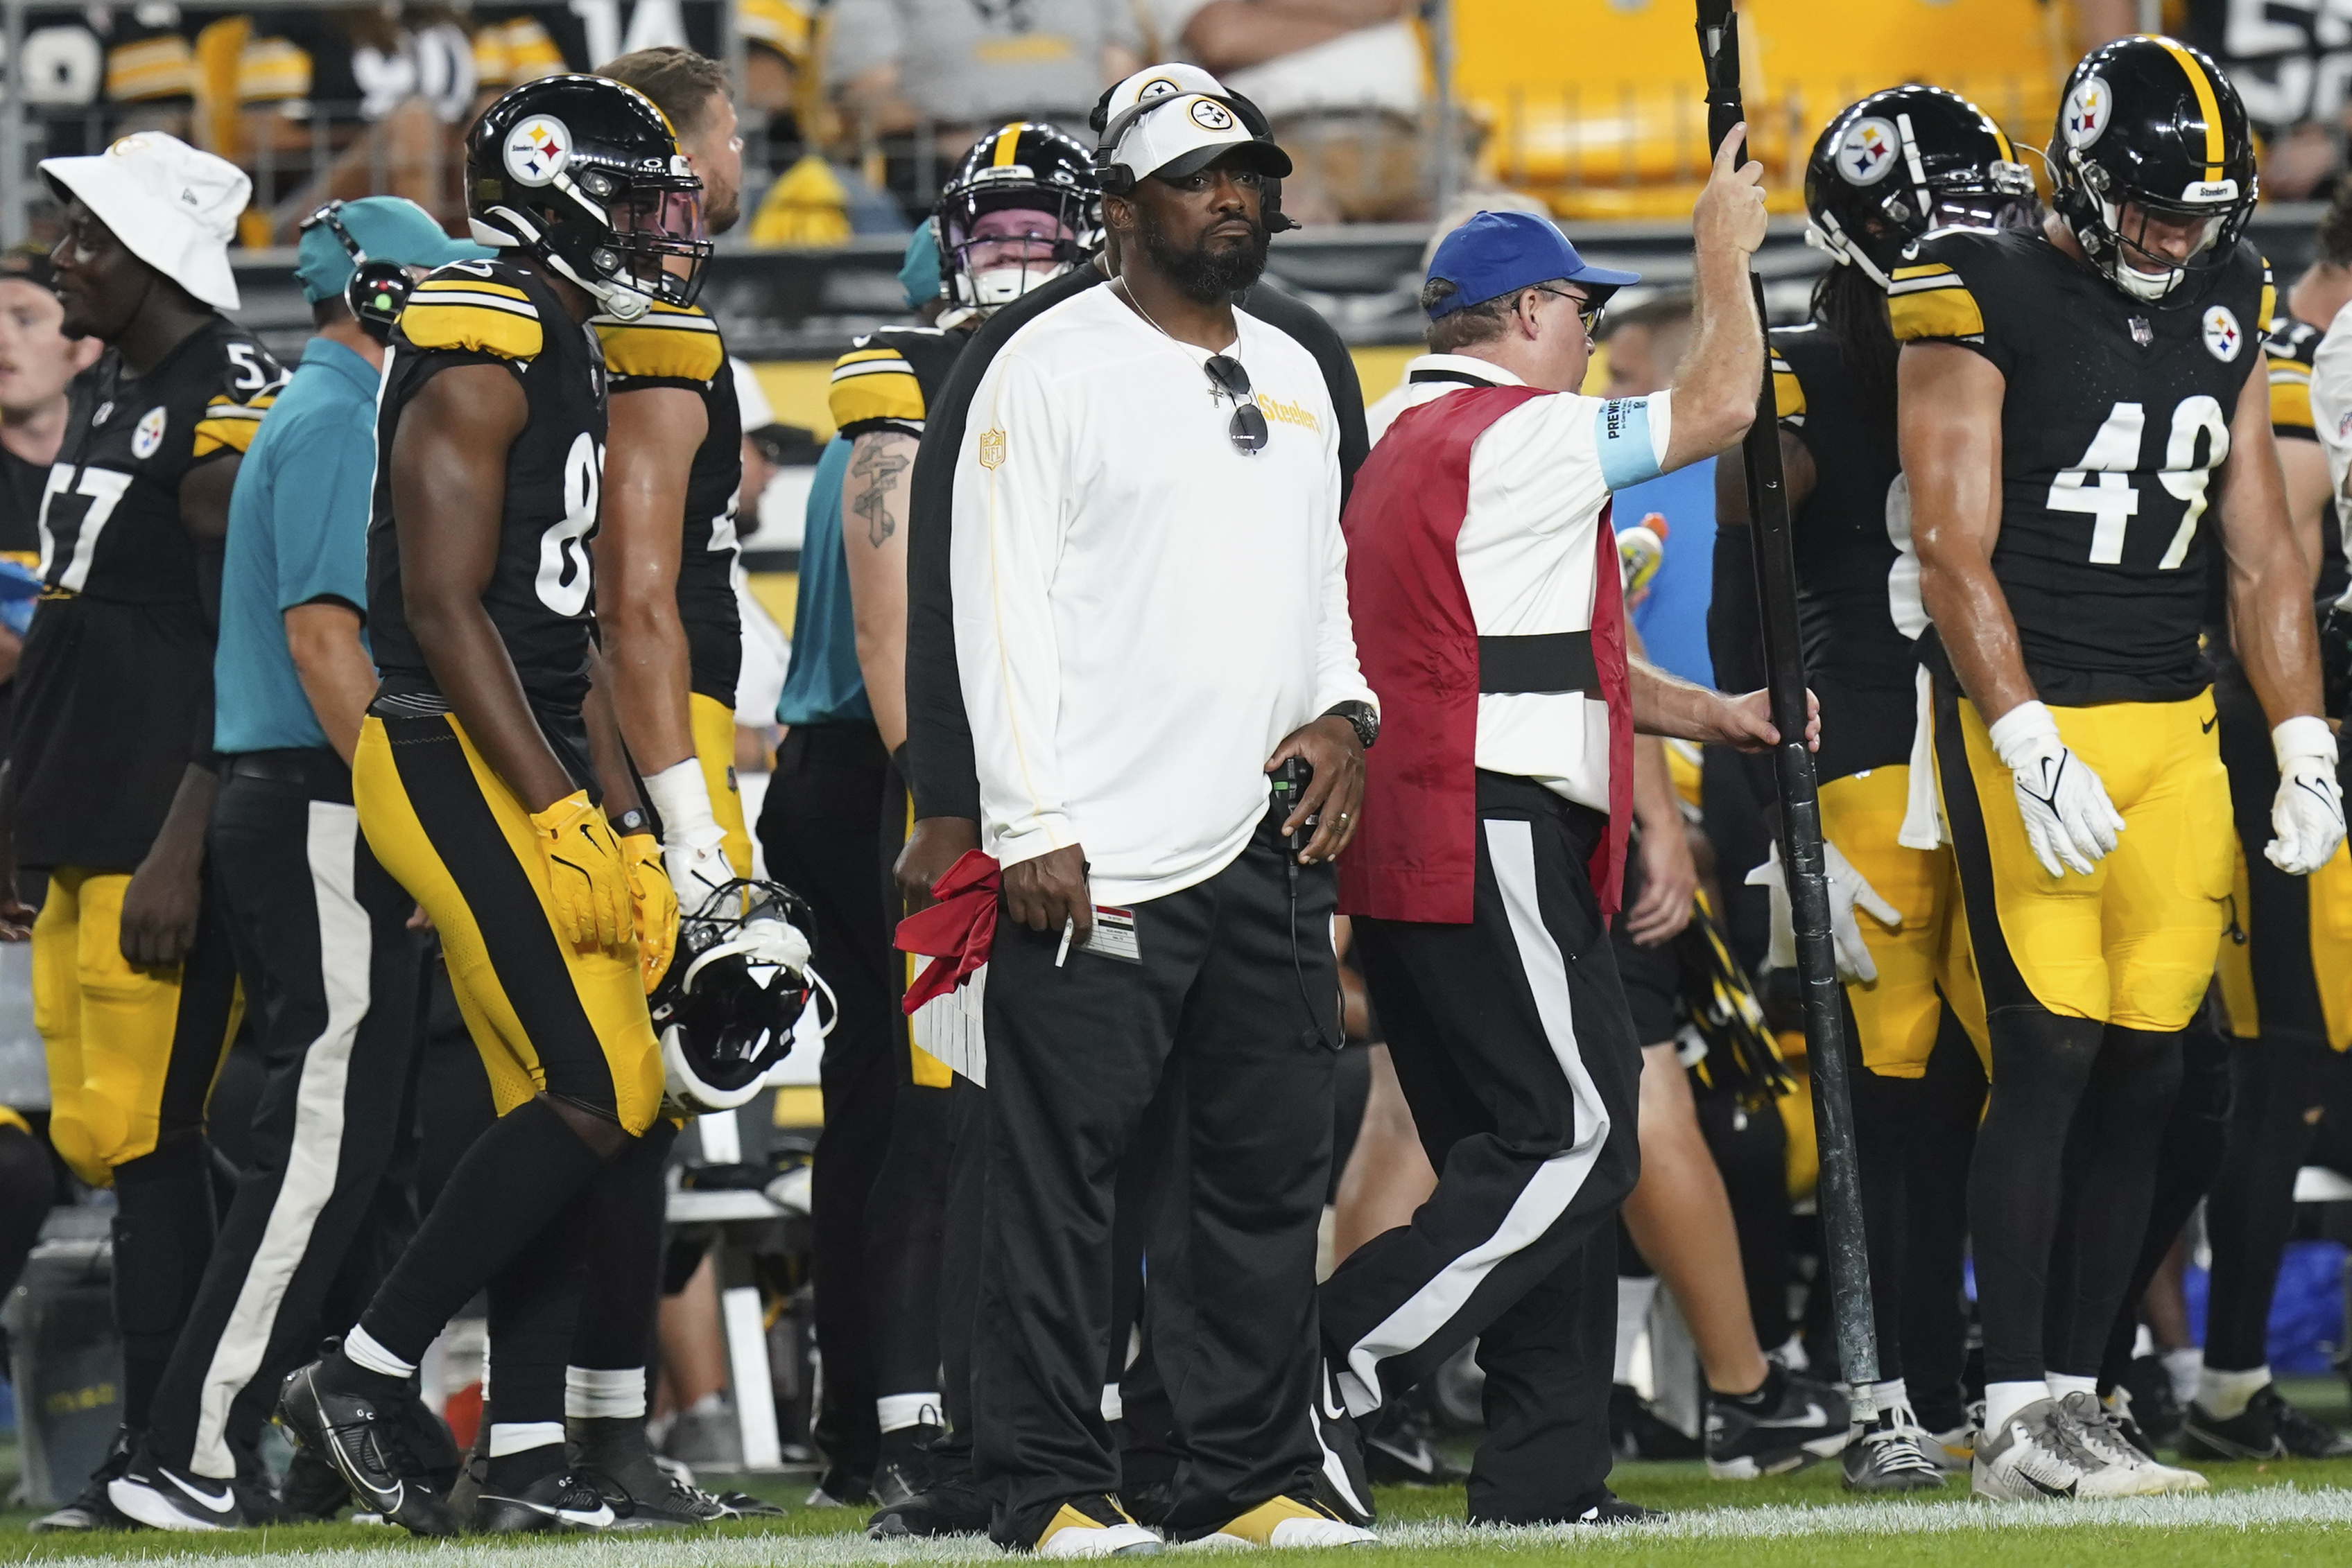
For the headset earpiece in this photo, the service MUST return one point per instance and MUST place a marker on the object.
(377, 289)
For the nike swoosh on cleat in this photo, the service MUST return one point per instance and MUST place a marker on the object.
(227, 1503)
(1814, 1416)
(1417, 1458)
(2046, 1489)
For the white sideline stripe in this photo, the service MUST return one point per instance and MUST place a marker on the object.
(346, 944)
(1554, 1185)
(2236, 1510)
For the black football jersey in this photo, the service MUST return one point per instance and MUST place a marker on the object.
(1857, 578)
(668, 347)
(2117, 416)
(114, 692)
(2292, 345)
(889, 379)
(541, 594)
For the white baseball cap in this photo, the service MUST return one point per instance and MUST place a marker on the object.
(1157, 81)
(1176, 134)
(171, 206)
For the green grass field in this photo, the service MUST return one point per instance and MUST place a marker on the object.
(2256, 1514)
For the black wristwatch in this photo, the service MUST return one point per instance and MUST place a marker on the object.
(1363, 717)
(631, 822)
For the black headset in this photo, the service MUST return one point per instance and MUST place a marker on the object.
(377, 289)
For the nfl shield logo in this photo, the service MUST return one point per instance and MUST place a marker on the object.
(2142, 333)
(991, 448)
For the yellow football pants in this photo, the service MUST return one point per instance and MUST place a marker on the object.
(547, 1016)
(2135, 942)
(1895, 1016)
(132, 1052)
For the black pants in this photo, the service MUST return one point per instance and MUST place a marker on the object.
(1075, 1055)
(331, 977)
(819, 829)
(1514, 1047)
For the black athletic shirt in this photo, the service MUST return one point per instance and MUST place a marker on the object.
(541, 592)
(939, 765)
(114, 694)
(668, 347)
(2115, 420)
(2293, 346)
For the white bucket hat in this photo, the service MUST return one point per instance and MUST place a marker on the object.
(171, 206)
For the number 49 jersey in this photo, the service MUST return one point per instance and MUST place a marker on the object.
(2117, 416)
(540, 595)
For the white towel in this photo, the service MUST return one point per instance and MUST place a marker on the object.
(1923, 822)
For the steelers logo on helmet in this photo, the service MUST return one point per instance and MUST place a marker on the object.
(1209, 115)
(2085, 116)
(2224, 338)
(1866, 152)
(537, 150)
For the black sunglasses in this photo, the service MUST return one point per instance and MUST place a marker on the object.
(1586, 311)
(1248, 429)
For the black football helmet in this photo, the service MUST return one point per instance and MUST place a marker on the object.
(1024, 164)
(586, 174)
(2151, 123)
(738, 982)
(1906, 160)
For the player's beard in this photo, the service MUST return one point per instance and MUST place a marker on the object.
(1199, 273)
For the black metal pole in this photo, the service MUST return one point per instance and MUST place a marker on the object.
(1804, 864)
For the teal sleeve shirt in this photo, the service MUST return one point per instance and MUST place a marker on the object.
(824, 685)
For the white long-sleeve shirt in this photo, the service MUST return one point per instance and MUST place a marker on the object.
(1142, 612)
(2331, 412)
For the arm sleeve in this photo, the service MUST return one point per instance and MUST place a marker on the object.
(320, 524)
(940, 771)
(1339, 676)
(1009, 506)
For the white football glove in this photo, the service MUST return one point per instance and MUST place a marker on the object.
(1849, 890)
(2070, 823)
(693, 851)
(2307, 815)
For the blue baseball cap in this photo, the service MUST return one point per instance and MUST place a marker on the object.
(1500, 253)
(919, 272)
(388, 228)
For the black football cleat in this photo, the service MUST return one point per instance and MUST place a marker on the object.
(551, 1502)
(362, 1438)
(163, 1497)
(948, 1508)
(610, 1454)
(92, 1509)
(1398, 1451)
(1342, 1484)
(1796, 1422)
(2267, 1428)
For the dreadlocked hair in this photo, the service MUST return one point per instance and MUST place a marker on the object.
(1854, 308)
(2333, 245)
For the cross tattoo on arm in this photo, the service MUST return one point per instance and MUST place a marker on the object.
(877, 469)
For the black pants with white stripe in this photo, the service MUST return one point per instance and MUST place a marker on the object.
(331, 978)
(1513, 1044)
(1223, 1011)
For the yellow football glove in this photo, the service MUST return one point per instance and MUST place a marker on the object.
(587, 881)
(657, 906)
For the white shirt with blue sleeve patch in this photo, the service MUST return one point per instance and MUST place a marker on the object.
(1540, 477)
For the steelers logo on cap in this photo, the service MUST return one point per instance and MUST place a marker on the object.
(537, 148)
(1211, 115)
(1157, 86)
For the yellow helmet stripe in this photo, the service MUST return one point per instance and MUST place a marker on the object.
(2207, 105)
(1008, 142)
(2008, 153)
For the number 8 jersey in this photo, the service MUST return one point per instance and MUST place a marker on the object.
(2116, 416)
(540, 593)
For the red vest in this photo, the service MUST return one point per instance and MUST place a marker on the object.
(1414, 856)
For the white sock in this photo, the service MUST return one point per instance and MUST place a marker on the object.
(2004, 1400)
(2225, 1393)
(2182, 1367)
(2062, 1384)
(592, 1392)
(517, 1436)
(1890, 1396)
(1634, 1299)
(361, 1350)
(894, 1412)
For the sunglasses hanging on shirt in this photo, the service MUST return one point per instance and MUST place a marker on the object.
(1248, 429)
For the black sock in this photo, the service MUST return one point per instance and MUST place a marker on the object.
(2185, 1166)
(1937, 1150)
(2276, 1086)
(162, 1237)
(518, 1175)
(534, 1314)
(2120, 1128)
(623, 1290)
(1764, 1395)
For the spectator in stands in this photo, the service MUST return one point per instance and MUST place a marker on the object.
(901, 62)
(1644, 342)
(1340, 79)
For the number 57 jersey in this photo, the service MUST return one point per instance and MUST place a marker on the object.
(2115, 420)
(541, 594)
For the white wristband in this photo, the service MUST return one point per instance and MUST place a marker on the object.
(2304, 735)
(682, 798)
(2022, 733)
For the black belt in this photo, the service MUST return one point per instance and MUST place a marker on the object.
(1554, 662)
(316, 770)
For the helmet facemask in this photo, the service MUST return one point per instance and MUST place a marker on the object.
(2115, 238)
(629, 239)
(997, 246)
